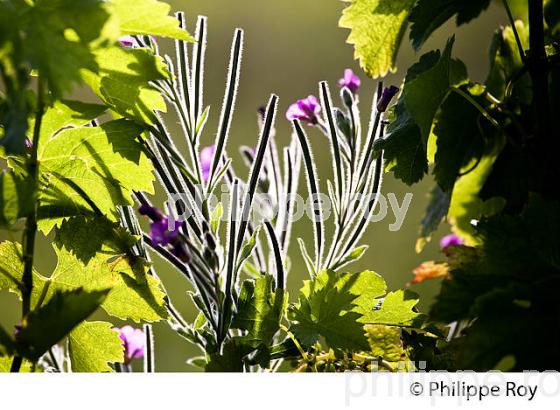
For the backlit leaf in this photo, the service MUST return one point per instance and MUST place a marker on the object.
(48, 324)
(377, 28)
(148, 17)
(93, 345)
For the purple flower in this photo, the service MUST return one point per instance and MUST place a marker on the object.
(450, 240)
(386, 97)
(127, 41)
(350, 81)
(306, 110)
(160, 233)
(134, 342)
(151, 212)
(206, 158)
(159, 228)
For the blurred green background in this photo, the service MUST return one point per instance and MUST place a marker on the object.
(289, 47)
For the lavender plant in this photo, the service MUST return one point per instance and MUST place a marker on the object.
(246, 321)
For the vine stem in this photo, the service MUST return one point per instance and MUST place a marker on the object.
(538, 69)
(31, 221)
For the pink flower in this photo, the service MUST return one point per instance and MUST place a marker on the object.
(134, 342)
(206, 158)
(128, 41)
(350, 81)
(305, 110)
(450, 240)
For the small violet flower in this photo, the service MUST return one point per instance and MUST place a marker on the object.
(350, 81)
(134, 342)
(159, 228)
(388, 94)
(305, 110)
(206, 158)
(450, 240)
(160, 233)
(127, 41)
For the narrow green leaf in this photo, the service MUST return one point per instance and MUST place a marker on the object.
(354, 255)
(216, 218)
(306, 258)
(248, 248)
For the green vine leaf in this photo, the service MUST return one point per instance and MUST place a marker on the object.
(466, 205)
(15, 197)
(259, 312)
(11, 272)
(426, 86)
(148, 17)
(86, 237)
(403, 146)
(51, 322)
(123, 82)
(135, 295)
(428, 15)
(93, 345)
(230, 360)
(424, 94)
(330, 306)
(397, 309)
(377, 28)
(68, 114)
(458, 137)
(106, 164)
(56, 37)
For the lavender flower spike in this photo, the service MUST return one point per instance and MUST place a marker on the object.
(206, 158)
(386, 97)
(134, 342)
(305, 110)
(350, 81)
(450, 240)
